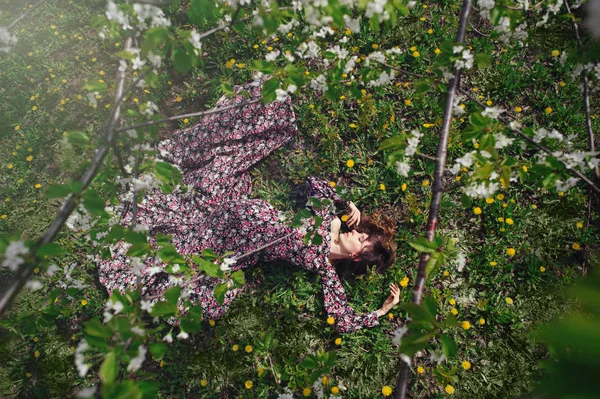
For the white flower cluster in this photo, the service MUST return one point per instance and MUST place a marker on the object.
(307, 50)
(377, 7)
(286, 394)
(467, 58)
(283, 95)
(116, 307)
(80, 219)
(342, 53)
(6, 40)
(485, 7)
(384, 79)
(482, 190)
(456, 102)
(69, 282)
(352, 23)
(13, 257)
(136, 363)
(82, 367)
(492, 112)
(227, 263)
(460, 261)
(319, 83)
(114, 14)
(150, 109)
(150, 12)
(565, 186)
(502, 141)
(377, 56)
(398, 334)
(403, 167)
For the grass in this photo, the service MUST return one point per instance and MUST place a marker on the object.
(287, 302)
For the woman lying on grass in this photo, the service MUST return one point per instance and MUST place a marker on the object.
(215, 157)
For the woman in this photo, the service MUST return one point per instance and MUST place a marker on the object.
(215, 157)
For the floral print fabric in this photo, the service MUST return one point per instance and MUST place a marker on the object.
(215, 157)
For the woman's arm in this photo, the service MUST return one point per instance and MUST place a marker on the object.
(391, 300)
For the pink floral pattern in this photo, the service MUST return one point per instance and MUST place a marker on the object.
(215, 156)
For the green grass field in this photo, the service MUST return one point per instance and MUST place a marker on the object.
(504, 298)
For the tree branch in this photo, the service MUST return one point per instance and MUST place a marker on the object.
(25, 271)
(437, 190)
(193, 114)
(586, 95)
(16, 21)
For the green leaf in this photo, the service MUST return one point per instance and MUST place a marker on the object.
(471, 132)
(417, 312)
(138, 250)
(430, 306)
(374, 23)
(172, 294)
(109, 368)
(182, 61)
(422, 86)
(153, 38)
(57, 191)
(422, 244)
(77, 138)
(95, 329)
(432, 264)
(93, 86)
(93, 202)
(50, 249)
(317, 239)
(268, 90)
(449, 346)
(211, 269)
(158, 350)
(478, 120)
(483, 61)
(163, 309)
(393, 142)
(220, 291)
(310, 362)
(238, 277)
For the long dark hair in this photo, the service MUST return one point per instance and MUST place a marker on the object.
(381, 254)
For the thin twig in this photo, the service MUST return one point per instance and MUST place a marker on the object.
(437, 190)
(16, 21)
(193, 114)
(586, 94)
(25, 271)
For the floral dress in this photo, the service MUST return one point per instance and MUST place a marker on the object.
(215, 157)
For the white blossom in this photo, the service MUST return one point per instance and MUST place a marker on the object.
(13, 255)
(502, 141)
(377, 56)
(492, 112)
(195, 40)
(86, 392)
(282, 95)
(183, 335)
(352, 23)
(272, 56)
(136, 363)
(437, 358)
(150, 108)
(147, 306)
(227, 263)
(114, 14)
(398, 334)
(137, 330)
(168, 338)
(383, 79)
(155, 60)
(286, 394)
(33, 285)
(485, 6)
(403, 168)
(461, 261)
(82, 367)
(319, 83)
(6, 40)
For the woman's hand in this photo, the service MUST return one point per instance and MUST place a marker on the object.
(354, 216)
(391, 300)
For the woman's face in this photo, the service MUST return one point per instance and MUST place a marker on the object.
(353, 242)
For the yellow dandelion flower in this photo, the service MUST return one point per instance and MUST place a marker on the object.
(350, 163)
(430, 31)
(338, 341)
(425, 183)
(4, 216)
(235, 348)
(203, 383)
(576, 246)
(382, 187)
(404, 282)
(352, 125)
(542, 269)
(84, 302)
(332, 184)
(500, 197)
(465, 325)
(335, 390)
(29, 158)
(555, 53)
(36, 354)
(408, 102)
(579, 224)
(306, 391)
(325, 380)
(375, 46)
(403, 187)
(489, 200)
(452, 301)
(34, 108)
(482, 321)
(178, 99)
(428, 125)
(248, 348)
(509, 301)
(510, 251)
(344, 218)
(386, 391)
(437, 51)
(416, 54)
(420, 370)
(548, 110)
(466, 365)
(477, 210)
(562, 84)
(330, 321)
(509, 221)
(248, 384)
(211, 322)
(454, 311)
(449, 389)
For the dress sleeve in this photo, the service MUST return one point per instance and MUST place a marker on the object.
(336, 305)
(321, 189)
